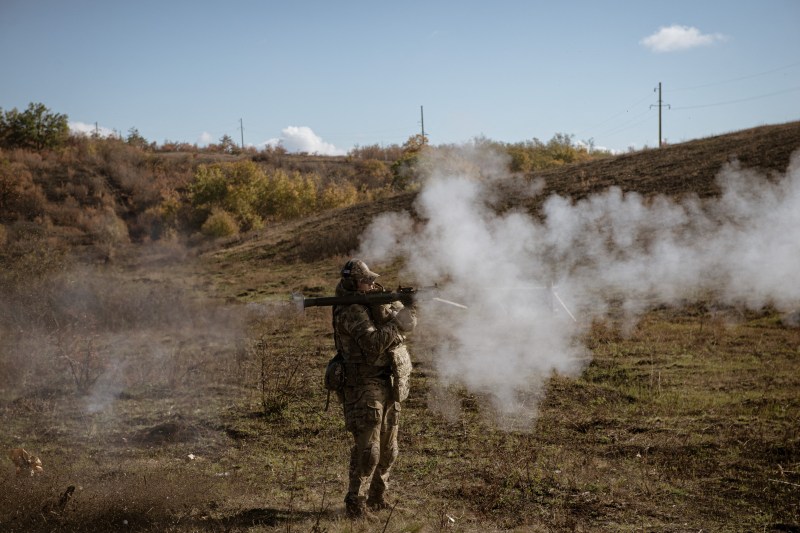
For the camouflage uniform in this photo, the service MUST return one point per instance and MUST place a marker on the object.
(377, 365)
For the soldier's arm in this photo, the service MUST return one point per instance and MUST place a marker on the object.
(405, 318)
(371, 338)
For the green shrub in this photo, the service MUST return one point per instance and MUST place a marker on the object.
(338, 195)
(288, 195)
(232, 187)
(209, 187)
(134, 138)
(36, 128)
(252, 194)
(220, 224)
(405, 175)
(371, 174)
(534, 155)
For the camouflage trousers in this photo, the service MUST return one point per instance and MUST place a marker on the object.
(372, 416)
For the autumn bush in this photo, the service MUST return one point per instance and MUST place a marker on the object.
(338, 194)
(376, 152)
(231, 188)
(251, 195)
(288, 195)
(560, 150)
(371, 174)
(163, 220)
(405, 171)
(21, 198)
(220, 223)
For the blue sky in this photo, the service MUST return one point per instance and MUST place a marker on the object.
(325, 76)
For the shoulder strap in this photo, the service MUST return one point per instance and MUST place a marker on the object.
(333, 325)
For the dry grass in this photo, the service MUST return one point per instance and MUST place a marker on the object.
(689, 422)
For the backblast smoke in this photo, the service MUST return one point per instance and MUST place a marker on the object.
(742, 247)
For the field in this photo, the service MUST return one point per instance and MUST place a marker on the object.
(180, 390)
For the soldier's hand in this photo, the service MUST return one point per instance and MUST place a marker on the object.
(406, 319)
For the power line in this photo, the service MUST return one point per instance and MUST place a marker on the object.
(728, 102)
(628, 108)
(632, 121)
(628, 125)
(747, 77)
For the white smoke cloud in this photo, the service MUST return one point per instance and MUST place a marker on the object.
(303, 139)
(204, 139)
(674, 38)
(744, 245)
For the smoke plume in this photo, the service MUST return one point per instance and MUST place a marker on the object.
(533, 284)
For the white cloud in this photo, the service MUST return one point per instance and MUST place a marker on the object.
(595, 148)
(89, 129)
(204, 139)
(674, 38)
(303, 139)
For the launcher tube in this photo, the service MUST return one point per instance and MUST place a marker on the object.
(357, 298)
(406, 295)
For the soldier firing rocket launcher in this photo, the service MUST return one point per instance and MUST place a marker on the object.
(405, 295)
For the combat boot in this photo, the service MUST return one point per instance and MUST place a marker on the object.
(378, 503)
(356, 509)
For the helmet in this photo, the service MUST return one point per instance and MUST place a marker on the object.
(358, 270)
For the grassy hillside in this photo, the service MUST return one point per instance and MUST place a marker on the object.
(177, 389)
(674, 171)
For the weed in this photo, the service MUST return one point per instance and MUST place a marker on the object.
(78, 349)
(280, 377)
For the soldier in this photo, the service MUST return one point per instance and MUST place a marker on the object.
(377, 367)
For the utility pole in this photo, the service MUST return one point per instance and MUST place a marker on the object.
(422, 123)
(660, 104)
(241, 128)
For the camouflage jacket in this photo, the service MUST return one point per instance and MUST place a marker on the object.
(366, 336)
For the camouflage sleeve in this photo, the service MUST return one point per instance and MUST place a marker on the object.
(405, 318)
(382, 313)
(371, 338)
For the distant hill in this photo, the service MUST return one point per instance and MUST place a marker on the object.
(675, 170)
(685, 168)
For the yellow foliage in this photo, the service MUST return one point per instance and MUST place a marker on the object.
(288, 195)
(220, 224)
(338, 195)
